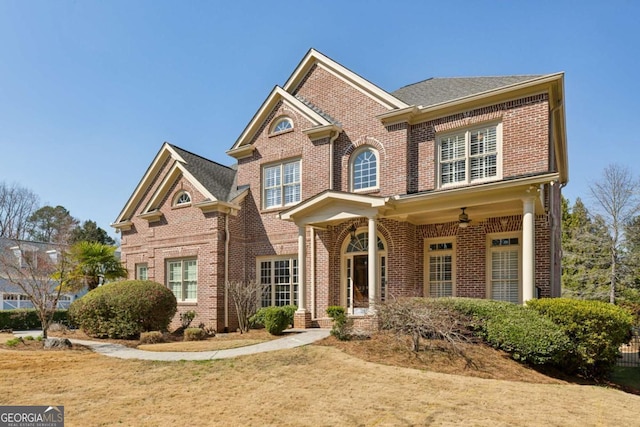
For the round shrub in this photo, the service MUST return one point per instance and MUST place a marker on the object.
(124, 309)
(596, 330)
(276, 320)
(195, 334)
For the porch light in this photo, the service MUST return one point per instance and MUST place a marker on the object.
(463, 219)
(352, 231)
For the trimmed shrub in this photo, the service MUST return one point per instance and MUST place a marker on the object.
(153, 337)
(25, 319)
(524, 333)
(258, 319)
(194, 334)
(124, 309)
(13, 342)
(276, 319)
(596, 330)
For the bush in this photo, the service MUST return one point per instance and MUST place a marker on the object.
(596, 330)
(25, 319)
(124, 309)
(194, 334)
(258, 319)
(13, 342)
(525, 334)
(341, 328)
(186, 318)
(424, 318)
(153, 337)
(274, 319)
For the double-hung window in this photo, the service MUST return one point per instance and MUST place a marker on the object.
(142, 271)
(441, 268)
(182, 279)
(279, 280)
(281, 184)
(504, 268)
(470, 156)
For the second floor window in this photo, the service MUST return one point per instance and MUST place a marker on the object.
(365, 170)
(281, 184)
(469, 156)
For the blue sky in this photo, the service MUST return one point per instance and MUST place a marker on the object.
(90, 90)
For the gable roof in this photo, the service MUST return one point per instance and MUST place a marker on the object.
(435, 91)
(216, 182)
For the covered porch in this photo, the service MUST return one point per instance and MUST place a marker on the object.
(467, 225)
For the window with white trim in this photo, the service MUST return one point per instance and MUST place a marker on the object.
(183, 198)
(470, 156)
(142, 271)
(182, 278)
(440, 257)
(364, 169)
(281, 125)
(504, 268)
(279, 280)
(281, 184)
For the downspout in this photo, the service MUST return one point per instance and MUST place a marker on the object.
(226, 270)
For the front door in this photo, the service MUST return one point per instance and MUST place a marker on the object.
(360, 284)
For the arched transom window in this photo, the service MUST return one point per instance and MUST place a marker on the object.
(183, 198)
(282, 124)
(365, 169)
(360, 243)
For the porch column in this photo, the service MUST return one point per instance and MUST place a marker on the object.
(528, 249)
(302, 277)
(372, 252)
(302, 317)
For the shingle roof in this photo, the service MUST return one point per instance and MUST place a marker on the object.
(317, 109)
(220, 180)
(438, 90)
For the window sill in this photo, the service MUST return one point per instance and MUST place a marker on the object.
(187, 303)
(280, 133)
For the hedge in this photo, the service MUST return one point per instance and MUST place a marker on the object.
(25, 319)
(596, 330)
(259, 318)
(524, 333)
(124, 309)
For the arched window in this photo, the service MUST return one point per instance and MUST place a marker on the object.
(183, 198)
(364, 169)
(282, 124)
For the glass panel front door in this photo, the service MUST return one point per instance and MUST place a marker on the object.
(360, 282)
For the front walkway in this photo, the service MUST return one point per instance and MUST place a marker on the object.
(302, 337)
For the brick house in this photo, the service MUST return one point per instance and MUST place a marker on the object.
(459, 179)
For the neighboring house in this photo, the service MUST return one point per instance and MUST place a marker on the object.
(11, 295)
(458, 179)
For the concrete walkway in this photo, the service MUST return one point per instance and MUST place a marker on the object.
(290, 340)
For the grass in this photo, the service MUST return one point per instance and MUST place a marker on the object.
(372, 382)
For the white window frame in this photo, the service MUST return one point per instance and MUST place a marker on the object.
(270, 281)
(140, 268)
(439, 252)
(184, 283)
(281, 186)
(178, 196)
(352, 167)
(504, 248)
(277, 122)
(466, 133)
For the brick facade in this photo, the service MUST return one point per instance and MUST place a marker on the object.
(407, 165)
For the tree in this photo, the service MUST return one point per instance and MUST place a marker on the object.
(93, 264)
(617, 198)
(49, 224)
(585, 260)
(245, 298)
(17, 204)
(90, 232)
(632, 253)
(37, 270)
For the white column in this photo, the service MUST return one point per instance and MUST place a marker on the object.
(372, 264)
(528, 249)
(302, 279)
